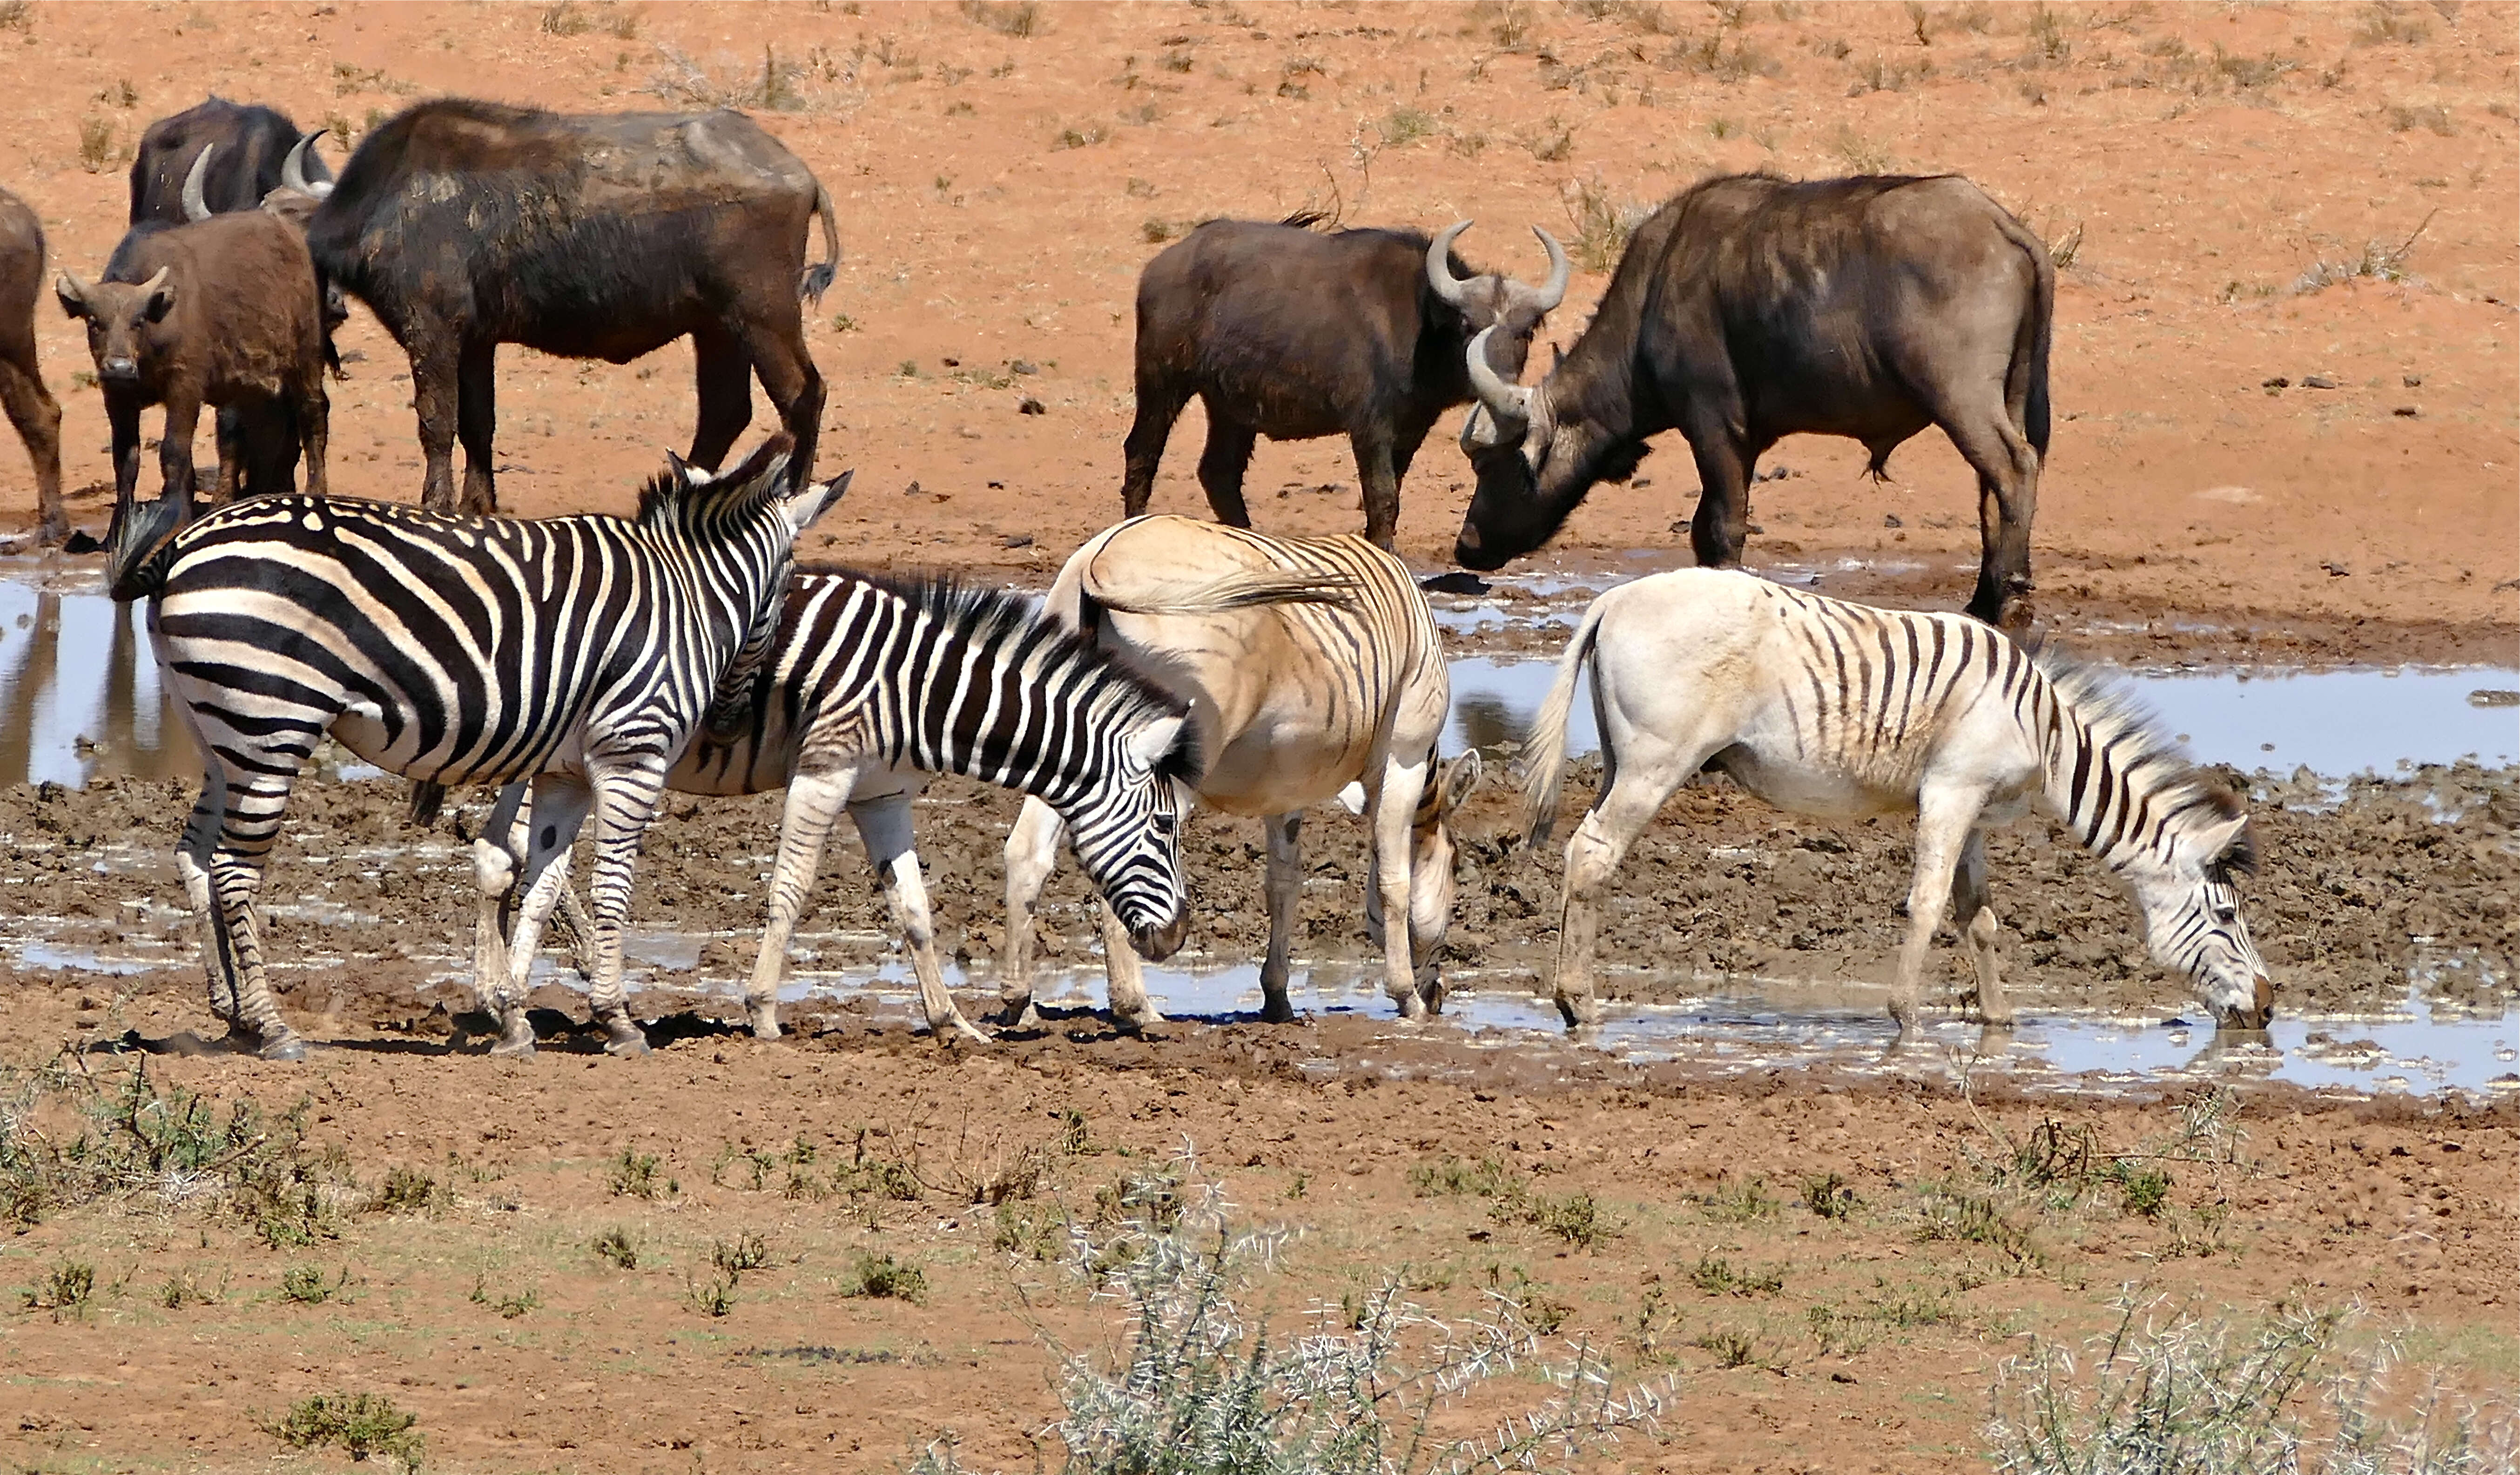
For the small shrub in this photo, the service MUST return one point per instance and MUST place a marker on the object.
(1732, 1348)
(1402, 126)
(842, 323)
(1718, 1278)
(1651, 1333)
(1970, 1220)
(616, 1246)
(508, 1305)
(2385, 23)
(1601, 225)
(178, 1292)
(1860, 155)
(1743, 1203)
(567, 18)
(2142, 1191)
(304, 1284)
(1021, 18)
(17, 15)
(1553, 142)
(1026, 1232)
(67, 1289)
(634, 1174)
(1828, 1195)
(712, 1296)
(408, 1191)
(2378, 262)
(749, 1252)
(2432, 118)
(878, 1277)
(1488, 1178)
(1156, 232)
(1081, 137)
(1577, 1219)
(96, 150)
(361, 1424)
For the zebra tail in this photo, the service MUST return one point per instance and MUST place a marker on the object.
(427, 798)
(1544, 760)
(1246, 589)
(141, 546)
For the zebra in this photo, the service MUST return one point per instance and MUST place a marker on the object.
(872, 684)
(1295, 701)
(578, 652)
(1836, 710)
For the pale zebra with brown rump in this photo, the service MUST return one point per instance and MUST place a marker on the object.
(1840, 710)
(1293, 703)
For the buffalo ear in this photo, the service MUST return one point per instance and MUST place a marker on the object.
(162, 295)
(73, 295)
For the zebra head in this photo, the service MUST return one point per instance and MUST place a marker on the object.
(2191, 912)
(1128, 832)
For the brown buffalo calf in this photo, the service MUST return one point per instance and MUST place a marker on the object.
(30, 405)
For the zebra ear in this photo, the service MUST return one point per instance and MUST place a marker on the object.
(1151, 744)
(2228, 845)
(808, 506)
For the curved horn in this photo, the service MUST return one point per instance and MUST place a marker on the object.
(1510, 404)
(149, 289)
(293, 169)
(1439, 266)
(195, 206)
(1560, 272)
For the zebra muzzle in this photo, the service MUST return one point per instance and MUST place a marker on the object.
(1155, 944)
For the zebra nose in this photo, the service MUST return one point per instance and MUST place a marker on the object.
(1155, 944)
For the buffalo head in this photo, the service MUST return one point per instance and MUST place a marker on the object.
(1493, 299)
(1533, 462)
(118, 316)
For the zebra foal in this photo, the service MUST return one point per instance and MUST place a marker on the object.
(578, 652)
(872, 684)
(1312, 669)
(1841, 710)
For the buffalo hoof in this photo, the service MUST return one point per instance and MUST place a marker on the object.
(1274, 1010)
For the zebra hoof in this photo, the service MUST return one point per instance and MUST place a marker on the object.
(286, 1047)
(514, 1049)
(1274, 1010)
(629, 1043)
(765, 1024)
(1016, 1016)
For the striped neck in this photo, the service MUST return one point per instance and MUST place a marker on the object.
(2124, 789)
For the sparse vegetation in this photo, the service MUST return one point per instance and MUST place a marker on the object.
(96, 150)
(362, 1424)
(1600, 224)
(749, 1252)
(1021, 18)
(1402, 126)
(1081, 136)
(1829, 1196)
(878, 1277)
(17, 15)
(1969, 1219)
(615, 1247)
(67, 1289)
(636, 1175)
(409, 1190)
(1743, 1201)
(2432, 118)
(2389, 22)
(2378, 262)
(305, 1284)
(509, 1305)
(576, 17)
(1718, 1278)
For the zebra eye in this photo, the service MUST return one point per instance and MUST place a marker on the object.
(1164, 823)
(2227, 915)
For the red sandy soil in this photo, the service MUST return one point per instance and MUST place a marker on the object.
(2207, 157)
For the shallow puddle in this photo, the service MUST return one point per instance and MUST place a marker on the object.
(2337, 723)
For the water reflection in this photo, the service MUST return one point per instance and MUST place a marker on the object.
(79, 697)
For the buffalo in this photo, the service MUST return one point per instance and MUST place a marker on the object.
(1284, 331)
(221, 312)
(1749, 308)
(465, 224)
(251, 144)
(30, 406)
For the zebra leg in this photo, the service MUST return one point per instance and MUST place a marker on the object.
(246, 832)
(1975, 915)
(625, 800)
(1033, 853)
(814, 803)
(1944, 819)
(1285, 888)
(1394, 804)
(884, 825)
(1636, 794)
(1124, 974)
(559, 804)
(193, 864)
(494, 875)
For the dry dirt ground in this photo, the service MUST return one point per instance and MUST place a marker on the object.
(2209, 165)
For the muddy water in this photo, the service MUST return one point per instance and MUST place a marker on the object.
(79, 689)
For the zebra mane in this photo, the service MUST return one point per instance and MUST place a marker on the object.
(991, 616)
(748, 485)
(2135, 737)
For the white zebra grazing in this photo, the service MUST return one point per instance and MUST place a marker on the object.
(1293, 703)
(1840, 710)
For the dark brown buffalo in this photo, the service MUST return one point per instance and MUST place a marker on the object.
(221, 312)
(1284, 331)
(30, 406)
(464, 225)
(251, 143)
(1750, 308)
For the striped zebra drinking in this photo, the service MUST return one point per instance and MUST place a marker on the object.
(1841, 710)
(578, 652)
(1313, 669)
(872, 684)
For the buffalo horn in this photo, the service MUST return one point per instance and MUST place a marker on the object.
(195, 206)
(1509, 404)
(156, 284)
(1560, 272)
(1439, 266)
(293, 169)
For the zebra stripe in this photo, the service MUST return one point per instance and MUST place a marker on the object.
(462, 651)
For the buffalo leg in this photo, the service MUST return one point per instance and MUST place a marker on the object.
(235, 444)
(432, 393)
(1159, 404)
(723, 377)
(2007, 491)
(175, 447)
(1221, 466)
(1381, 483)
(795, 387)
(313, 417)
(122, 412)
(37, 416)
(476, 424)
(1723, 519)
